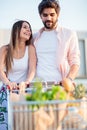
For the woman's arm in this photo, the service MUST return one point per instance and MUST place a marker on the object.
(32, 64)
(31, 70)
(3, 76)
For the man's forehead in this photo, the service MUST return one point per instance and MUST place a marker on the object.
(49, 10)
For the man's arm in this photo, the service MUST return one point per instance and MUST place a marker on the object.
(73, 72)
(68, 81)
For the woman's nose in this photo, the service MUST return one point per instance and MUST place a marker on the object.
(28, 29)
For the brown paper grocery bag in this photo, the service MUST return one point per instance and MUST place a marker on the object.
(62, 112)
(14, 97)
(20, 118)
(42, 119)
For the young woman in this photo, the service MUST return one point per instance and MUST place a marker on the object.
(18, 58)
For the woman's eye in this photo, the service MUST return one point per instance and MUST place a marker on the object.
(25, 27)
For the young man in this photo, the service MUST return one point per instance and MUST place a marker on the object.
(58, 55)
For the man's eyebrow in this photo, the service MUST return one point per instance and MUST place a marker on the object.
(48, 14)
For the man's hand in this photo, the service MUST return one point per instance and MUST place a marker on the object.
(68, 85)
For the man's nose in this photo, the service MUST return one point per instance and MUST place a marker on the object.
(48, 17)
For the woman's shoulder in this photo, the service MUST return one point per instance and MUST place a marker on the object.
(2, 54)
(3, 49)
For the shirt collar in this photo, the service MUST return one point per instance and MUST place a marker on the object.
(57, 30)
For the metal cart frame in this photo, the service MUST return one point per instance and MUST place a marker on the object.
(48, 115)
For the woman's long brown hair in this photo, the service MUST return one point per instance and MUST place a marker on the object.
(15, 35)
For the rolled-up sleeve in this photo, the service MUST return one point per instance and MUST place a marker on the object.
(74, 51)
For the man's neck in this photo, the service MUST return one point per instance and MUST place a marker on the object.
(46, 29)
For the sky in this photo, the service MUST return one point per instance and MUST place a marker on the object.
(73, 13)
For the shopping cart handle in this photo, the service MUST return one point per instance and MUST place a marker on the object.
(8, 87)
(16, 90)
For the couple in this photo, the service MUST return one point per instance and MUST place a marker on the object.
(52, 53)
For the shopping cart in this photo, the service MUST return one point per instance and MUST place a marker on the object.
(3, 108)
(48, 115)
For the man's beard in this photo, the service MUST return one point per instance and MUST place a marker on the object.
(49, 24)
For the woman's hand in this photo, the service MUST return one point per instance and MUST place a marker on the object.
(22, 87)
(12, 85)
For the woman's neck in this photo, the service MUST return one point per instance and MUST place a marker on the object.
(19, 51)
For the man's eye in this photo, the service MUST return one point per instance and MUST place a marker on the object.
(45, 15)
(52, 15)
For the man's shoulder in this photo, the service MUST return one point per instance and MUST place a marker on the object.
(67, 30)
(35, 34)
(38, 33)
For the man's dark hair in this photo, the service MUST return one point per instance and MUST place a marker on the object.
(49, 4)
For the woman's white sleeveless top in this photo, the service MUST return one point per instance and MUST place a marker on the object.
(19, 68)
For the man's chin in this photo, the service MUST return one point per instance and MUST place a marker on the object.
(48, 27)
